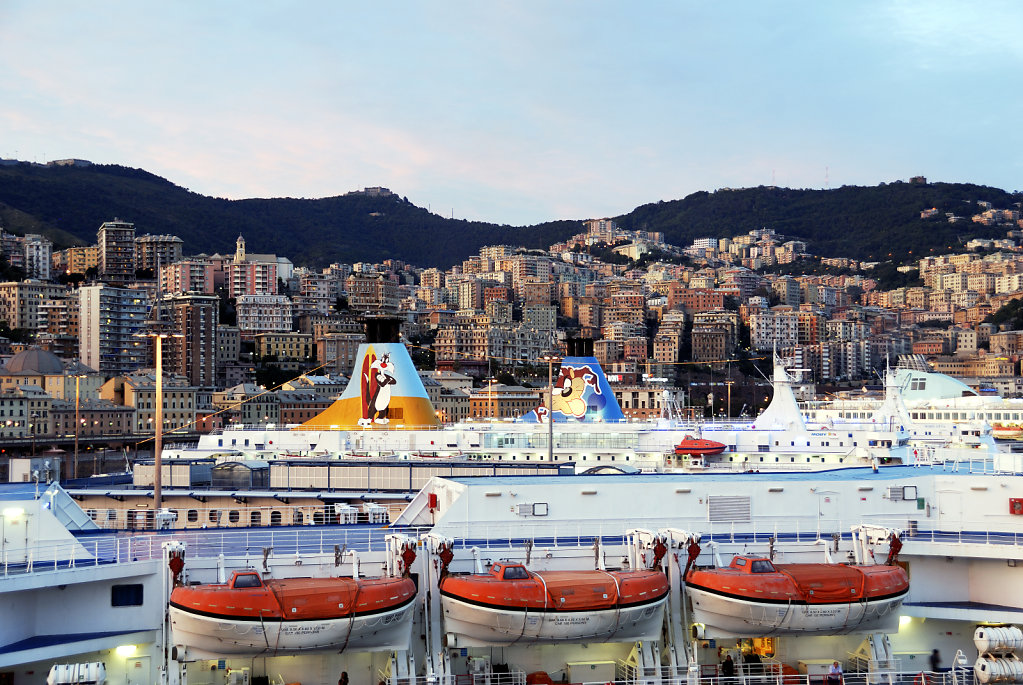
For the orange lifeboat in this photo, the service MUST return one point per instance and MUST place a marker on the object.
(250, 615)
(754, 597)
(698, 447)
(1006, 431)
(513, 605)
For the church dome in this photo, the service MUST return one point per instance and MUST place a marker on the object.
(34, 361)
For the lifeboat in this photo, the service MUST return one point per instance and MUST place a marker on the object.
(698, 447)
(754, 597)
(1006, 431)
(250, 615)
(513, 605)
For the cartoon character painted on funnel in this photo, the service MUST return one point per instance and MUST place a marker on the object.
(570, 390)
(575, 389)
(376, 390)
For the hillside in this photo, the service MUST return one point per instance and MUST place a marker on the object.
(68, 203)
(851, 221)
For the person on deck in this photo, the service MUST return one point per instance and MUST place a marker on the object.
(728, 669)
(835, 674)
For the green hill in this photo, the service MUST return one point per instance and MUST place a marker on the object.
(68, 203)
(852, 221)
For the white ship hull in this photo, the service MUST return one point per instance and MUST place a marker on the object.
(732, 616)
(204, 637)
(475, 625)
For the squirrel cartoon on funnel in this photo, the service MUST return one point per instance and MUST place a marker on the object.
(376, 391)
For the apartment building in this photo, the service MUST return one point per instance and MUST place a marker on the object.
(116, 242)
(774, 329)
(138, 390)
(110, 320)
(21, 302)
(155, 251)
(190, 275)
(263, 314)
(193, 355)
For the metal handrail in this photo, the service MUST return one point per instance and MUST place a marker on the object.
(121, 547)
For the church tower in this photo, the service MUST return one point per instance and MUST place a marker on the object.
(239, 250)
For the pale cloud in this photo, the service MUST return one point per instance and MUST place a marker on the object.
(515, 112)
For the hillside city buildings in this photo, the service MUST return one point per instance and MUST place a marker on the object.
(657, 314)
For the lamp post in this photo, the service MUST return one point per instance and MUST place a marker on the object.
(158, 440)
(550, 358)
(78, 378)
(32, 430)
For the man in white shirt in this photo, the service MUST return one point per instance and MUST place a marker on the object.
(835, 674)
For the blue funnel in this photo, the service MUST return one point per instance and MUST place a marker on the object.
(581, 394)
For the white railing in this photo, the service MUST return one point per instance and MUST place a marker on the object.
(764, 677)
(104, 548)
(794, 529)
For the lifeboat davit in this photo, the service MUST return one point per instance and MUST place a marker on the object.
(698, 447)
(512, 605)
(753, 597)
(250, 615)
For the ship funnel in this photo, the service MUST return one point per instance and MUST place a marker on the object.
(385, 390)
(581, 391)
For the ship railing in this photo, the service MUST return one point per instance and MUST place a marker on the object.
(103, 549)
(117, 548)
(84, 553)
(483, 678)
(752, 530)
(769, 676)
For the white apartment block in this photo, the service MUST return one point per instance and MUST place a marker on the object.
(263, 314)
(1009, 283)
(845, 331)
(770, 329)
(109, 321)
(38, 257)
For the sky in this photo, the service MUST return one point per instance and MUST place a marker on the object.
(517, 112)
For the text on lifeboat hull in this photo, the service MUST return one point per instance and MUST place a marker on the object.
(292, 615)
(796, 598)
(512, 605)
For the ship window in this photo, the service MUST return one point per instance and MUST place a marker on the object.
(246, 580)
(275, 518)
(233, 516)
(256, 518)
(762, 566)
(193, 515)
(515, 573)
(126, 595)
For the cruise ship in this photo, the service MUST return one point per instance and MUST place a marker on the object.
(934, 407)
(385, 412)
(82, 604)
